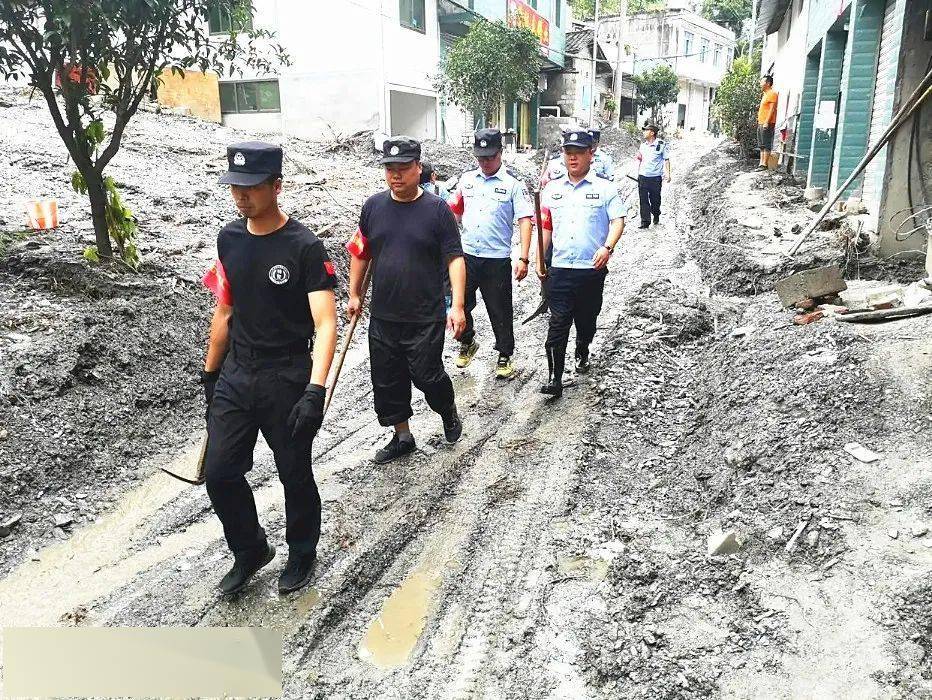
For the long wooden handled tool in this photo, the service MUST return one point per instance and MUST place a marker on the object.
(346, 341)
(541, 253)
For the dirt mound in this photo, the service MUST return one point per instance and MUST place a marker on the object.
(670, 311)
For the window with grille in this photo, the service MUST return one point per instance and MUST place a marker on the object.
(247, 96)
(220, 21)
(688, 45)
(412, 15)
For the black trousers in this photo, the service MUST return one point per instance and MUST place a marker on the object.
(256, 393)
(492, 277)
(402, 354)
(575, 298)
(649, 194)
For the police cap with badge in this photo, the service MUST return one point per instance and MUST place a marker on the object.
(400, 149)
(577, 138)
(595, 134)
(251, 163)
(487, 142)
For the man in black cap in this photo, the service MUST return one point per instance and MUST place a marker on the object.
(653, 169)
(274, 286)
(582, 216)
(489, 201)
(409, 236)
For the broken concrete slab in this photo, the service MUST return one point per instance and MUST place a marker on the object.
(62, 520)
(861, 453)
(866, 298)
(721, 543)
(810, 284)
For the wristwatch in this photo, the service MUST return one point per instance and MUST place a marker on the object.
(526, 261)
(609, 249)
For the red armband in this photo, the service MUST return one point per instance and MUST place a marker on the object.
(358, 246)
(546, 221)
(457, 204)
(215, 279)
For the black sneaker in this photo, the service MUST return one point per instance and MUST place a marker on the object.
(643, 225)
(582, 361)
(297, 573)
(452, 425)
(656, 220)
(243, 570)
(394, 449)
(553, 388)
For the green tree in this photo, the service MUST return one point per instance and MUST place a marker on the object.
(90, 57)
(737, 100)
(728, 13)
(492, 64)
(585, 9)
(656, 88)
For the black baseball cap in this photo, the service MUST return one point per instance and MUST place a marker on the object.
(487, 142)
(650, 126)
(400, 149)
(595, 134)
(577, 138)
(251, 162)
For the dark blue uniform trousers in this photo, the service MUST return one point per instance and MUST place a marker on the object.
(575, 298)
(492, 277)
(649, 195)
(256, 392)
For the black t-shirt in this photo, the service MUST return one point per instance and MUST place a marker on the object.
(270, 277)
(410, 244)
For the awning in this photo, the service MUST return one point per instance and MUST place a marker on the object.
(454, 19)
(770, 15)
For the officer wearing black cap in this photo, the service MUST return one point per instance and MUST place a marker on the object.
(653, 169)
(489, 201)
(274, 286)
(601, 160)
(408, 235)
(582, 217)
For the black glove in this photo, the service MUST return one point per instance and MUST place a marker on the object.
(209, 381)
(307, 415)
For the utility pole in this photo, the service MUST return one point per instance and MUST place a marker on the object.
(621, 24)
(595, 48)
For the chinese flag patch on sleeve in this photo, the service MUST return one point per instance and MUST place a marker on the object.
(358, 246)
(328, 266)
(215, 279)
(457, 204)
(546, 221)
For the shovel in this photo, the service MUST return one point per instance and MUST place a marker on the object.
(190, 471)
(544, 305)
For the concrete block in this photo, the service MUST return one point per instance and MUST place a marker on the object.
(810, 284)
(721, 543)
(813, 194)
(888, 295)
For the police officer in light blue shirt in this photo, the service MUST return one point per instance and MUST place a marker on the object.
(583, 218)
(488, 202)
(653, 168)
(601, 162)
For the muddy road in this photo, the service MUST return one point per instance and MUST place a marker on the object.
(560, 549)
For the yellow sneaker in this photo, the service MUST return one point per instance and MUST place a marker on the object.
(505, 368)
(467, 352)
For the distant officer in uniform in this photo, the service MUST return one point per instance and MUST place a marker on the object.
(489, 201)
(428, 179)
(653, 169)
(601, 161)
(583, 218)
(408, 235)
(274, 285)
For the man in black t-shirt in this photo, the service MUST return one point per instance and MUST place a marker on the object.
(274, 286)
(409, 236)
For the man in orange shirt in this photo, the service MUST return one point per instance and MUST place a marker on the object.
(766, 120)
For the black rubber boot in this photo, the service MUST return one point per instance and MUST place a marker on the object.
(394, 449)
(657, 219)
(244, 569)
(582, 360)
(644, 224)
(452, 425)
(297, 572)
(555, 361)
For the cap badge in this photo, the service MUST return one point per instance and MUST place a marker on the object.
(483, 143)
(395, 150)
(574, 137)
(239, 159)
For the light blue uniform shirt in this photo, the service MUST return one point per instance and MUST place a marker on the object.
(602, 162)
(580, 215)
(652, 156)
(490, 207)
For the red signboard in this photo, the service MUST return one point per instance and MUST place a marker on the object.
(520, 14)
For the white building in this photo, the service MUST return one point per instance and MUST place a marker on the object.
(699, 52)
(365, 64)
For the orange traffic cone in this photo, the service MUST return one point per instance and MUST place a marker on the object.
(42, 214)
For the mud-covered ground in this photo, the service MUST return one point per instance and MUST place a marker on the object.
(559, 549)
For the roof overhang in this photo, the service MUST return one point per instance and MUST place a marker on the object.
(770, 14)
(455, 19)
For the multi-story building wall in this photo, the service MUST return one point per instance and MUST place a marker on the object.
(371, 65)
(699, 52)
(852, 64)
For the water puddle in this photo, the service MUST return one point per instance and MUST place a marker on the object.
(392, 635)
(307, 602)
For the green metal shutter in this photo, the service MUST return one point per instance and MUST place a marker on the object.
(882, 108)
